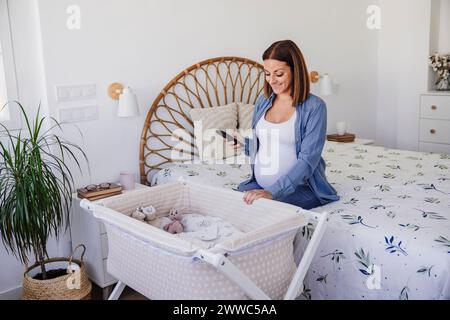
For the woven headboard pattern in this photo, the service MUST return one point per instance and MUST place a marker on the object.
(168, 128)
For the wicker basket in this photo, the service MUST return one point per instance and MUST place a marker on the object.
(73, 286)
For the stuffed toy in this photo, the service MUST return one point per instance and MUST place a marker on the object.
(149, 212)
(174, 227)
(160, 222)
(138, 215)
(174, 214)
(171, 224)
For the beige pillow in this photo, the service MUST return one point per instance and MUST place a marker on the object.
(245, 115)
(212, 146)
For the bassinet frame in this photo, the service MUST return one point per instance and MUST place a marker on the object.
(220, 262)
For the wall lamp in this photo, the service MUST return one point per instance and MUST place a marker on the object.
(128, 105)
(325, 85)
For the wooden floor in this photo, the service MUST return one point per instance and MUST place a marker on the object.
(127, 294)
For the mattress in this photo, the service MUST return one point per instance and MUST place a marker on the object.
(388, 236)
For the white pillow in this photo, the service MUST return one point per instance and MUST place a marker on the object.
(245, 115)
(212, 146)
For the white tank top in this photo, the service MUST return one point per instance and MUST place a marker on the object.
(277, 151)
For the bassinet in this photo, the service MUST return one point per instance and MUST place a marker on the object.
(258, 264)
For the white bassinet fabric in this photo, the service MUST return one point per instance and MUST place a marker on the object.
(161, 265)
(160, 275)
(263, 219)
(206, 231)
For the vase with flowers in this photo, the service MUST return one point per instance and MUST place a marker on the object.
(441, 65)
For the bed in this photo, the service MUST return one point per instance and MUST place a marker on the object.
(388, 236)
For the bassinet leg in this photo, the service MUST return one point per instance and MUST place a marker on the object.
(106, 292)
(117, 291)
(304, 264)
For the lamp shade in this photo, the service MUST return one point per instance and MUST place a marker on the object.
(326, 85)
(128, 105)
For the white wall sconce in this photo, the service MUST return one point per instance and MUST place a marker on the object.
(128, 105)
(325, 85)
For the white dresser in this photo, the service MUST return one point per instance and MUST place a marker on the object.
(434, 126)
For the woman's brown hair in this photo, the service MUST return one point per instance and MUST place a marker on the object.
(287, 51)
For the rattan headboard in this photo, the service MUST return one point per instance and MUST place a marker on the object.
(210, 83)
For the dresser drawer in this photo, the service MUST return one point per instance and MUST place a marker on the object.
(435, 107)
(436, 131)
(434, 147)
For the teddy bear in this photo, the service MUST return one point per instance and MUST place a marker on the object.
(174, 214)
(174, 227)
(144, 213)
(171, 224)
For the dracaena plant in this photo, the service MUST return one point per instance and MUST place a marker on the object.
(36, 186)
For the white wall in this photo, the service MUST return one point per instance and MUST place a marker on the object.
(404, 43)
(31, 82)
(145, 43)
(439, 33)
(440, 26)
(444, 27)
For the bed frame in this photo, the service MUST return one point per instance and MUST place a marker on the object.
(210, 83)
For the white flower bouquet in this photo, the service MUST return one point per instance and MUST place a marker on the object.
(441, 65)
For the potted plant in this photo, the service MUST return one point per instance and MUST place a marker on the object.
(36, 189)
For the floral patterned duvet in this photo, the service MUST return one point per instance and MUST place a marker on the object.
(388, 236)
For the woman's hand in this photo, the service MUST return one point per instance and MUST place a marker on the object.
(252, 195)
(239, 138)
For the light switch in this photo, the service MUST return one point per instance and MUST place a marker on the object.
(79, 113)
(62, 94)
(76, 93)
(89, 91)
(65, 115)
(67, 93)
(90, 113)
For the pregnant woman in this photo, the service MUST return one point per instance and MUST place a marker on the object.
(289, 131)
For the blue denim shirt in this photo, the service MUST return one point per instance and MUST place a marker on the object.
(310, 134)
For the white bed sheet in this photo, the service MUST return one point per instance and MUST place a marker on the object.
(389, 235)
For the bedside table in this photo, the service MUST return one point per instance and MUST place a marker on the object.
(86, 229)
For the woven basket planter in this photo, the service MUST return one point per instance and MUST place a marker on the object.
(72, 286)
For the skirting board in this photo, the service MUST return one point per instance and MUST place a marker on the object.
(12, 294)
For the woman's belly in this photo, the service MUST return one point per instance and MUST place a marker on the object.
(270, 165)
(277, 150)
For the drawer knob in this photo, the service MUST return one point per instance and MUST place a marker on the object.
(433, 131)
(433, 107)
